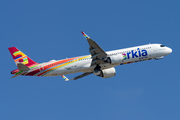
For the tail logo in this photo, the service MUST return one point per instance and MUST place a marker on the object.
(20, 57)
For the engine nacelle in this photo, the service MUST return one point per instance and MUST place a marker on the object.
(106, 73)
(115, 59)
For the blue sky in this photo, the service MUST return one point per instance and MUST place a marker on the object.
(46, 30)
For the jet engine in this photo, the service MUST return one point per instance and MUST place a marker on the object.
(115, 59)
(106, 73)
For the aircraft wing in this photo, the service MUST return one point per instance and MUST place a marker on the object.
(97, 53)
(82, 75)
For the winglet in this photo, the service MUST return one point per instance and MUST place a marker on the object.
(65, 78)
(85, 35)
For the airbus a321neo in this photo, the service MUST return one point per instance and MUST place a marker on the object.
(99, 62)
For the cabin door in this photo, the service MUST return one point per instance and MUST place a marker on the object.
(41, 68)
(154, 48)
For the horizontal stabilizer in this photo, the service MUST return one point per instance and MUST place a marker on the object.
(20, 73)
(22, 67)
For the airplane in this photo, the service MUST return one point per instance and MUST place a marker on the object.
(99, 62)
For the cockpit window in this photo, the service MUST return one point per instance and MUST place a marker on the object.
(162, 45)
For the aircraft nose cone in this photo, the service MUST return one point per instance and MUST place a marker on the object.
(170, 50)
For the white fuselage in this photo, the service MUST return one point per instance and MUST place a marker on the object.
(132, 54)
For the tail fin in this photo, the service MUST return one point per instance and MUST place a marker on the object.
(20, 57)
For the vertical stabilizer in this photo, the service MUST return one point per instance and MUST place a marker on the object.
(20, 57)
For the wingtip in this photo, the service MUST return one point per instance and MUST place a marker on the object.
(85, 35)
(65, 78)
